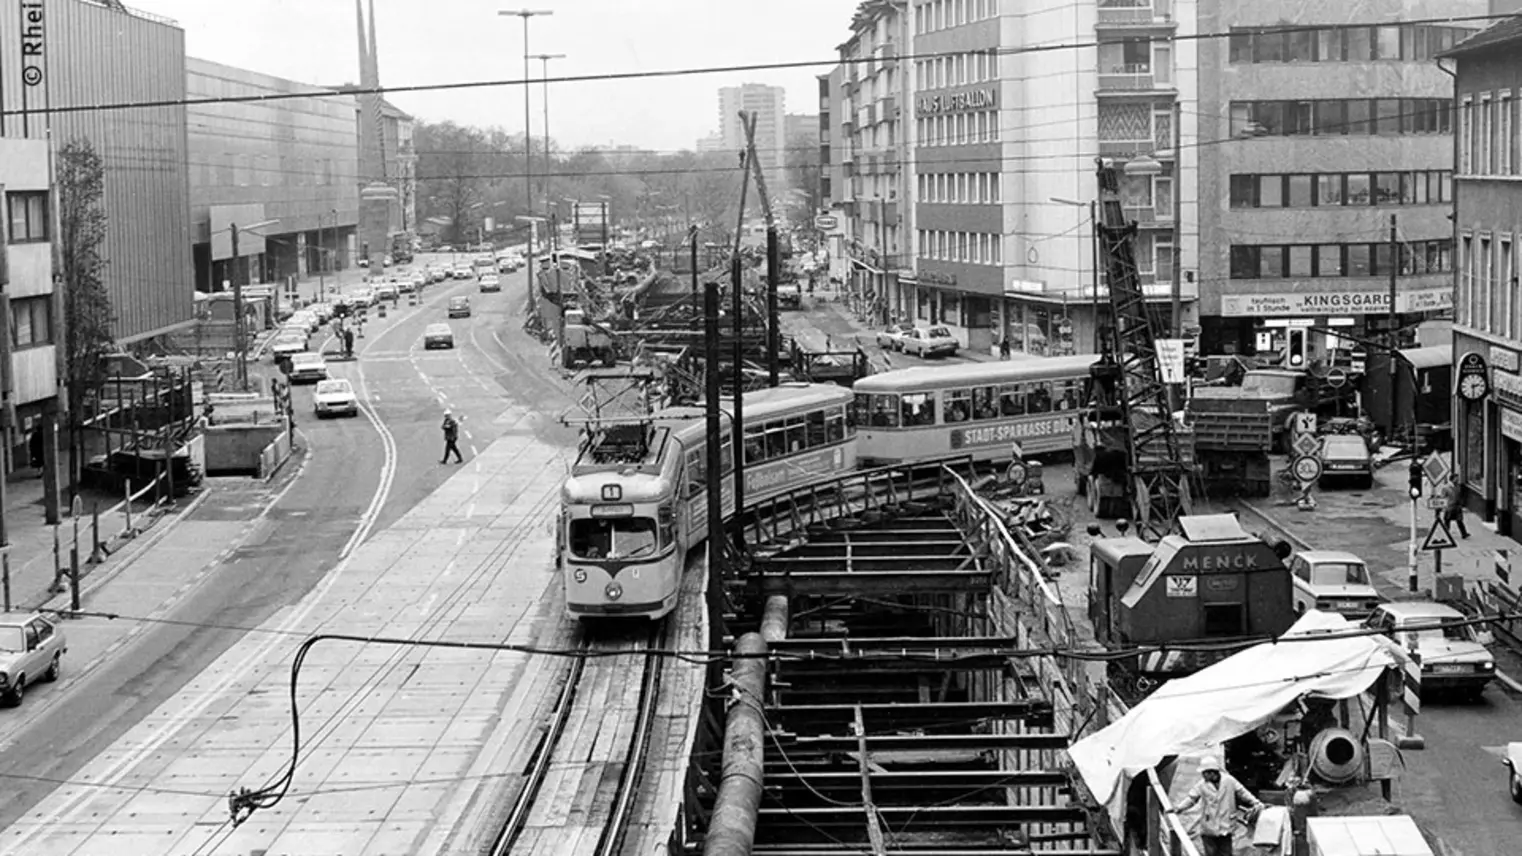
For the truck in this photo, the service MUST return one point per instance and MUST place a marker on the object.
(1212, 581)
(1236, 428)
(789, 295)
(585, 341)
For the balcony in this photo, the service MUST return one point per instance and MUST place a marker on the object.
(1124, 148)
(847, 129)
(1150, 216)
(1135, 13)
(852, 84)
(889, 55)
(871, 116)
(889, 108)
(890, 161)
(1134, 79)
(890, 212)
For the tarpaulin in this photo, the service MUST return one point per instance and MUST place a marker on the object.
(1229, 699)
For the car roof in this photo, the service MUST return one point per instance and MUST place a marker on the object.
(16, 619)
(1345, 440)
(307, 357)
(440, 327)
(459, 299)
(334, 382)
(1421, 609)
(1328, 556)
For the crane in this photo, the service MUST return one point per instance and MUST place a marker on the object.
(1158, 469)
(749, 160)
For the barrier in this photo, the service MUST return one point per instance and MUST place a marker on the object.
(274, 454)
(105, 531)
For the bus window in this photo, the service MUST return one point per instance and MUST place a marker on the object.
(884, 411)
(816, 424)
(667, 520)
(797, 439)
(726, 455)
(984, 403)
(958, 405)
(918, 408)
(697, 472)
(1040, 400)
(776, 439)
(755, 445)
(1011, 400)
(856, 412)
(835, 426)
(1069, 396)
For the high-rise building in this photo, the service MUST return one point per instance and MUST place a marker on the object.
(710, 143)
(766, 102)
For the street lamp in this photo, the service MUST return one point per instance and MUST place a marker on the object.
(528, 131)
(545, 59)
(240, 346)
(1094, 245)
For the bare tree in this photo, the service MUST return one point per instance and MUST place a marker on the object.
(86, 304)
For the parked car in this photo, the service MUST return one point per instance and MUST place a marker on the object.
(1453, 658)
(1513, 762)
(307, 367)
(1345, 457)
(288, 342)
(490, 282)
(31, 650)
(1333, 581)
(459, 307)
(387, 290)
(438, 336)
(463, 272)
(892, 337)
(335, 397)
(361, 298)
(929, 342)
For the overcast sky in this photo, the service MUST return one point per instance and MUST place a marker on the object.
(452, 41)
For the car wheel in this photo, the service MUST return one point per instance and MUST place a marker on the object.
(55, 669)
(1515, 785)
(17, 692)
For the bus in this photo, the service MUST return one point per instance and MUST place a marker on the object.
(982, 409)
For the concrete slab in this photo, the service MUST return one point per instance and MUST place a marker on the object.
(392, 735)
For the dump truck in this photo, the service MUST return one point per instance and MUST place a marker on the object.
(586, 341)
(1236, 428)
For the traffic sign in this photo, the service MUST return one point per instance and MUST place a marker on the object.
(1438, 537)
(1336, 378)
(1304, 422)
(1436, 469)
(825, 223)
(1437, 503)
(1306, 445)
(1306, 468)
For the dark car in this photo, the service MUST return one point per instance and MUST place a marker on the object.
(1346, 458)
(459, 307)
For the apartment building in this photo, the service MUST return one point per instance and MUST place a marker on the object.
(1487, 214)
(767, 103)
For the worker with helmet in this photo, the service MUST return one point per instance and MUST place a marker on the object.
(1219, 795)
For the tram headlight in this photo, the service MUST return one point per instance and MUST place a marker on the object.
(580, 575)
(614, 591)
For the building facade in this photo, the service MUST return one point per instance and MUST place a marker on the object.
(35, 307)
(1487, 222)
(767, 103)
(399, 156)
(1329, 179)
(291, 164)
(83, 52)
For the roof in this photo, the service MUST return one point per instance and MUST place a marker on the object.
(1427, 358)
(1507, 32)
(1421, 609)
(953, 375)
(1328, 556)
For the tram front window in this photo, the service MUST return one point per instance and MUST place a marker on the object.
(619, 538)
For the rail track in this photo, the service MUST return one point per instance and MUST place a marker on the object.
(581, 780)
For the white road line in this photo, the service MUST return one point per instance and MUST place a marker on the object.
(473, 450)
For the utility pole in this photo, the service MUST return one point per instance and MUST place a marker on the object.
(5, 392)
(528, 138)
(1176, 293)
(1094, 243)
(322, 261)
(715, 485)
(737, 419)
(773, 334)
(239, 352)
(1393, 337)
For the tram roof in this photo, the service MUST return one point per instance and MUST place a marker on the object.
(923, 378)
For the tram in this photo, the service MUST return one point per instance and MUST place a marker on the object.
(970, 408)
(637, 498)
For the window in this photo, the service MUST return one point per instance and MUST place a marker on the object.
(1244, 262)
(1358, 192)
(1329, 189)
(1387, 188)
(1300, 191)
(1466, 136)
(1359, 117)
(1331, 117)
(28, 215)
(1359, 263)
(1271, 191)
(1244, 191)
(1503, 134)
(1330, 44)
(1329, 260)
(1271, 262)
(1389, 121)
(1302, 46)
(1483, 163)
(31, 321)
(1269, 47)
(1387, 43)
(1240, 47)
(1300, 261)
(1360, 44)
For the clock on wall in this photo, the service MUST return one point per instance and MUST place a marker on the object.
(1474, 378)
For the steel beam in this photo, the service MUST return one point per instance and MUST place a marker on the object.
(930, 850)
(854, 547)
(785, 778)
(903, 562)
(842, 820)
(822, 743)
(873, 583)
(910, 715)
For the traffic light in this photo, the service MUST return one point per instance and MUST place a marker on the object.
(1415, 479)
(1296, 348)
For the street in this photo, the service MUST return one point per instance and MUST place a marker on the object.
(356, 478)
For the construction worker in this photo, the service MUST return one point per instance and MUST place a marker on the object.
(451, 439)
(1218, 793)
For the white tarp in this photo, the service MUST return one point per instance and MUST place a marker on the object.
(1229, 699)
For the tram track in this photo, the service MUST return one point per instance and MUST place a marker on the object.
(581, 781)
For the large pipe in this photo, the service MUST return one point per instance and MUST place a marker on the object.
(732, 827)
(774, 619)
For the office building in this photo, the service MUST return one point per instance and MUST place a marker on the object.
(1487, 332)
(289, 163)
(36, 310)
(87, 52)
(766, 102)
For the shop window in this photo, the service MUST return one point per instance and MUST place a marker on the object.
(1474, 449)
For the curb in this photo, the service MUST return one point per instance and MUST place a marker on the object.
(110, 571)
(1510, 682)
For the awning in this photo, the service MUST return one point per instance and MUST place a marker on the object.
(866, 267)
(1229, 699)
(1087, 299)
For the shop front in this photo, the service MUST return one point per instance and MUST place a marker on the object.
(934, 297)
(1488, 437)
(1251, 324)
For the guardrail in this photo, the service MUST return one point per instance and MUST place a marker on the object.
(784, 519)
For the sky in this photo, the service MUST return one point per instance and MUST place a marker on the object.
(453, 41)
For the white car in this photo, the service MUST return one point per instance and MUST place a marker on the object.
(891, 338)
(1453, 657)
(463, 272)
(287, 343)
(387, 291)
(323, 311)
(1333, 581)
(31, 650)
(929, 342)
(335, 397)
(362, 298)
(308, 367)
(490, 282)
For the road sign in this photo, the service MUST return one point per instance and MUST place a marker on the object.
(1436, 469)
(1306, 445)
(1438, 537)
(1336, 378)
(1437, 503)
(1306, 468)
(1305, 423)
(1170, 359)
(825, 223)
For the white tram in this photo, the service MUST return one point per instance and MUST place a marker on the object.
(637, 498)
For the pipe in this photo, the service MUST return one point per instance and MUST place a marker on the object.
(774, 620)
(732, 826)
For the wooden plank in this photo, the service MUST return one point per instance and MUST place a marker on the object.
(874, 829)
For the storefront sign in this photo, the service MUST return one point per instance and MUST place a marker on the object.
(1511, 425)
(1507, 387)
(1372, 301)
(958, 102)
(1505, 359)
(930, 277)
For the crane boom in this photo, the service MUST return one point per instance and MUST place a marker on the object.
(748, 122)
(1158, 467)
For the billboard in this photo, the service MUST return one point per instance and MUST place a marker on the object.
(591, 221)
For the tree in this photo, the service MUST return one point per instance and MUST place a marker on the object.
(455, 170)
(87, 312)
(803, 171)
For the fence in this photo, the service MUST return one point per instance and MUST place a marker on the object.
(274, 454)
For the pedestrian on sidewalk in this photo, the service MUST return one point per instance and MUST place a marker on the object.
(1004, 347)
(1218, 794)
(348, 342)
(451, 439)
(1453, 507)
